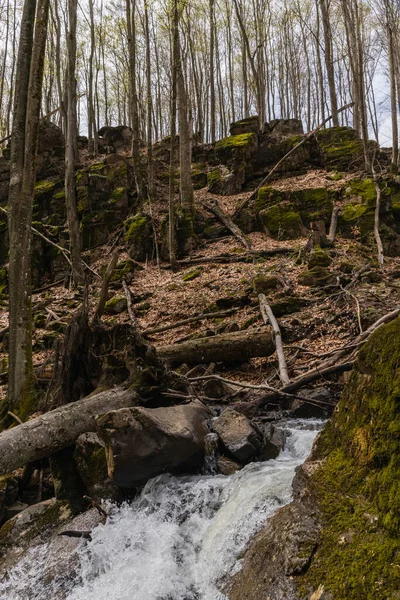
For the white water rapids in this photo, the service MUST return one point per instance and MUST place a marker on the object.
(177, 541)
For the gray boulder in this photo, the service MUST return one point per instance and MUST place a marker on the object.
(142, 443)
(238, 435)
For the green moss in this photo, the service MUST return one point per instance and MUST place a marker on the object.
(213, 177)
(116, 305)
(316, 277)
(117, 195)
(134, 228)
(241, 141)
(340, 146)
(319, 258)
(191, 275)
(282, 221)
(124, 269)
(357, 484)
(59, 195)
(268, 196)
(265, 283)
(364, 189)
(3, 281)
(313, 204)
(44, 187)
(97, 168)
(359, 216)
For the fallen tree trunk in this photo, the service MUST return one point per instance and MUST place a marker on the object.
(228, 347)
(232, 258)
(214, 208)
(58, 429)
(269, 317)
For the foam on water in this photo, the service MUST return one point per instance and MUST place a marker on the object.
(177, 541)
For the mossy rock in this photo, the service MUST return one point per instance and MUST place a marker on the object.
(116, 305)
(288, 305)
(313, 204)
(224, 182)
(40, 319)
(124, 270)
(236, 143)
(247, 125)
(46, 341)
(363, 189)
(44, 187)
(319, 258)
(8, 493)
(139, 236)
(283, 221)
(357, 219)
(3, 281)
(268, 196)
(199, 179)
(190, 275)
(68, 484)
(316, 277)
(265, 283)
(340, 148)
(90, 459)
(357, 484)
(57, 326)
(186, 237)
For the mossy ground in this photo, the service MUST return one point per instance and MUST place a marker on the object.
(358, 484)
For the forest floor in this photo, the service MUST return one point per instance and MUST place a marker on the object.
(329, 318)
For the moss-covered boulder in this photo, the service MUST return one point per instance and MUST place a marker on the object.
(265, 283)
(91, 462)
(313, 204)
(319, 258)
(316, 277)
(340, 148)
(139, 237)
(224, 182)
(341, 534)
(357, 220)
(8, 494)
(248, 125)
(287, 305)
(199, 178)
(283, 221)
(268, 196)
(68, 484)
(125, 269)
(115, 305)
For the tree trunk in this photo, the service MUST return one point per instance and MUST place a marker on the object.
(237, 346)
(71, 152)
(28, 96)
(59, 428)
(185, 152)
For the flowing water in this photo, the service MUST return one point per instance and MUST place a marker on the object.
(177, 541)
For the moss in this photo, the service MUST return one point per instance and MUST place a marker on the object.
(265, 283)
(117, 195)
(357, 217)
(3, 281)
(123, 270)
(134, 228)
(116, 305)
(313, 204)
(97, 168)
(357, 484)
(191, 275)
(319, 258)
(340, 146)
(241, 141)
(44, 187)
(268, 196)
(288, 305)
(363, 189)
(213, 176)
(59, 195)
(316, 277)
(283, 221)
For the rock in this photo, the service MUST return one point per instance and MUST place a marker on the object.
(91, 462)
(238, 435)
(283, 221)
(8, 494)
(199, 178)
(265, 283)
(305, 410)
(339, 147)
(142, 443)
(319, 258)
(68, 484)
(227, 466)
(248, 125)
(288, 305)
(15, 509)
(282, 127)
(116, 305)
(139, 236)
(118, 138)
(223, 182)
(317, 277)
(273, 441)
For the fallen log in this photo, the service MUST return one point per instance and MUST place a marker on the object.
(228, 347)
(58, 429)
(269, 317)
(214, 208)
(232, 258)
(204, 316)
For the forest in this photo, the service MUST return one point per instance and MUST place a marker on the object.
(199, 299)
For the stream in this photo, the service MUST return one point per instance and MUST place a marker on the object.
(179, 540)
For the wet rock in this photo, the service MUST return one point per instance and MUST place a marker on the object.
(238, 435)
(273, 441)
(8, 494)
(310, 410)
(227, 466)
(142, 443)
(91, 462)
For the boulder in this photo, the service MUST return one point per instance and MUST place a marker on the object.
(248, 125)
(238, 435)
(143, 443)
(283, 221)
(8, 494)
(317, 277)
(273, 441)
(91, 462)
(281, 127)
(139, 236)
(227, 466)
(118, 138)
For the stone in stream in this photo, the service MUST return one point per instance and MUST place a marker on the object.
(142, 443)
(238, 435)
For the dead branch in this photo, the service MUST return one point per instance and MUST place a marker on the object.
(232, 258)
(129, 304)
(214, 207)
(269, 317)
(104, 287)
(334, 224)
(202, 317)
